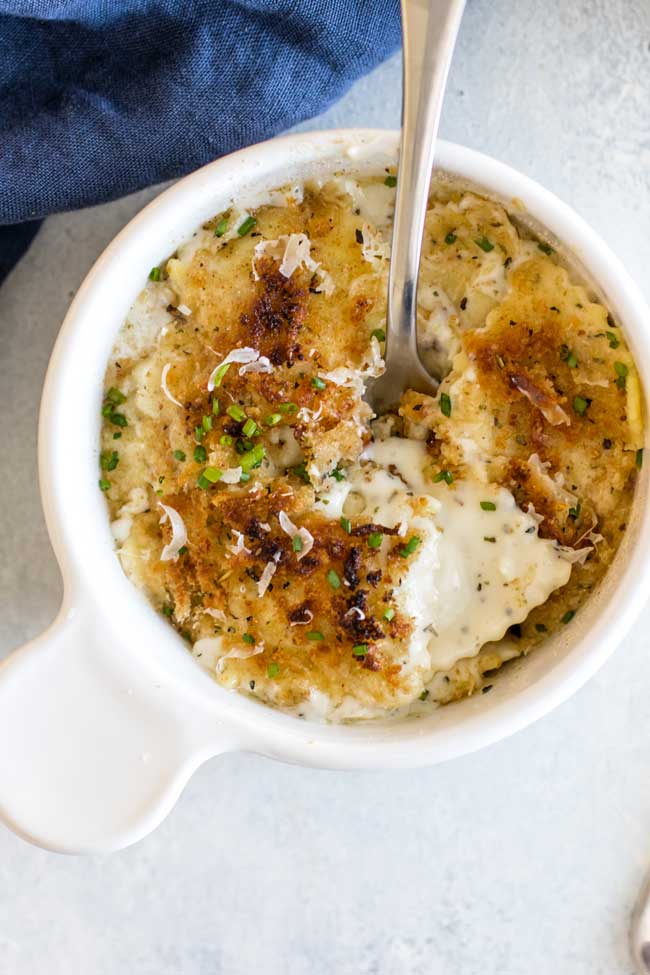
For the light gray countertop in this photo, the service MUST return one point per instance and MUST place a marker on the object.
(524, 858)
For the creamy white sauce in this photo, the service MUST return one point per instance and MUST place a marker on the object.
(375, 202)
(527, 249)
(491, 276)
(438, 322)
(138, 503)
(374, 248)
(475, 572)
(145, 320)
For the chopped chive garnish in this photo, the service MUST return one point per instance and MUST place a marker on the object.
(104, 484)
(488, 506)
(168, 610)
(118, 420)
(337, 474)
(154, 274)
(621, 371)
(252, 458)
(216, 408)
(451, 238)
(379, 334)
(568, 616)
(273, 670)
(639, 458)
(250, 428)
(273, 419)
(200, 454)
(566, 355)
(390, 180)
(115, 396)
(580, 405)
(209, 476)
(225, 440)
(107, 409)
(288, 408)
(375, 539)
(315, 635)
(199, 434)
(360, 649)
(389, 613)
(296, 543)
(574, 513)
(544, 247)
(182, 550)
(318, 383)
(236, 413)
(179, 455)
(301, 472)
(613, 340)
(246, 227)
(424, 695)
(333, 579)
(485, 244)
(445, 404)
(346, 524)
(109, 459)
(489, 538)
(446, 476)
(221, 227)
(217, 376)
(206, 423)
(116, 436)
(248, 638)
(410, 546)
(541, 627)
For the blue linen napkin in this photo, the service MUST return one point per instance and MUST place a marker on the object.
(99, 98)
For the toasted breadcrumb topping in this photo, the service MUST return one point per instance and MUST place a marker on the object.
(237, 450)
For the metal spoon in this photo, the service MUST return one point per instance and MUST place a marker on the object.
(429, 29)
(640, 931)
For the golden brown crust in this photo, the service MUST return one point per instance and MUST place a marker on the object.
(541, 388)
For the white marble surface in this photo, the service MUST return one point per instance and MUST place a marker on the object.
(524, 858)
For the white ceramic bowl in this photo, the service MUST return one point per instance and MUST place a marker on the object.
(105, 716)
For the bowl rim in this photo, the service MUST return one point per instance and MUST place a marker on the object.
(256, 727)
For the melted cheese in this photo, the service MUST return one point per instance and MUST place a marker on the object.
(477, 571)
(310, 283)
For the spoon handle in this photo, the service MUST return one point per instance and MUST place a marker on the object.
(429, 29)
(640, 931)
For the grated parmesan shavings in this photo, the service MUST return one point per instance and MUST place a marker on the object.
(292, 531)
(165, 387)
(239, 653)
(179, 533)
(240, 546)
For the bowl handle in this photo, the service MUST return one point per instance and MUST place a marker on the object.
(93, 752)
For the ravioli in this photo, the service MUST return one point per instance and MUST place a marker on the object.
(336, 565)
